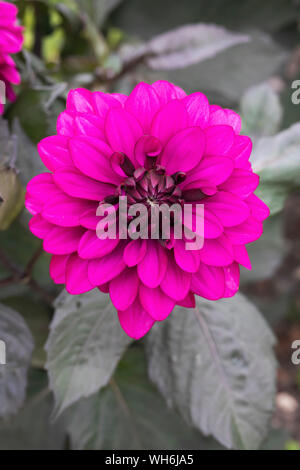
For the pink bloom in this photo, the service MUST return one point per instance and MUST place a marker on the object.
(157, 143)
(11, 40)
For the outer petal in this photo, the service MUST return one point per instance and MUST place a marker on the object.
(77, 280)
(123, 289)
(122, 131)
(143, 103)
(80, 100)
(232, 279)
(230, 209)
(39, 226)
(188, 301)
(75, 184)
(241, 256)
(102, 270)
(65, 211)
(166, 91)
(170, 119)
(93, 162)
(188, 260)
(135, 251)
(152, 268)
(259, 210)
(103, 102)
(197, 106)
(135, 321)
(176, 282)
(91, 246)
(155, 302)
(247, 232)
(217, 252)
(65, 125)
(241, 150)
(209, 282)
(241, 182)
(219, 140)
(212, 169)
(58, 268)
(89, 125)
(184, 150)
(63, 241)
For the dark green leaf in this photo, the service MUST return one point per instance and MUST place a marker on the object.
(32, 428)
(261, 111)
(16, 354)
(215, 365)
(130, 414)
(84, 346)
(276, 160)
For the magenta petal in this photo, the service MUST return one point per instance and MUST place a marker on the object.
(219, 140)
(89, 125)
(176, 282)
(75, 184)
(209, 282)
(166, 91)
(143, 103)
(89, 219)
(58, 268)
(135, 251)
(241, 150)
(171, 119)
(65, 211)
(62, 240)
(156, 303)
(103, 102)
(247, 232)
(229, 208)
(33, 204)
(212, 169)
(217, 252)
(188, 302)
(93, 162)
(241, 256)
(80, 100)
(188, 260)
(259, 210)
(147, 146)
(122, 131)
(184, 150)
(233, 120)
(77, 281)
(123, 289)
(232, 279)
(197, 106)
(120, 97)
(241, 182)
(39, 226)
(152, 268)
(135, 321)
(102, 270)
(65, 124)
(42, 187)
(8, 11)
(91, 246)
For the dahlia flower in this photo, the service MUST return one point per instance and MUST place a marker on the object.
(11, 40)
(157, 145)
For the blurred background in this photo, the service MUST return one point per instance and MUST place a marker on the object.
(244, 55)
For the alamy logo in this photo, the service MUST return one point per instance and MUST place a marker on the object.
(296, 353)
(2, 352)
(2, 92)
(296, 94)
